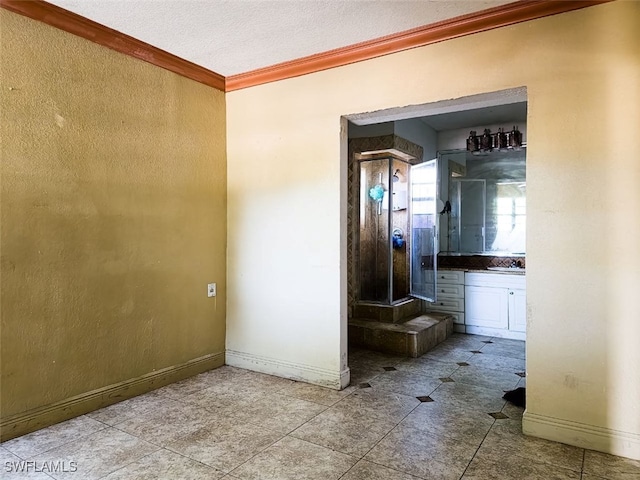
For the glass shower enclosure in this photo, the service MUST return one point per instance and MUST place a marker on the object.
(397, 230)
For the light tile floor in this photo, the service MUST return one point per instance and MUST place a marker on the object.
(236, 424)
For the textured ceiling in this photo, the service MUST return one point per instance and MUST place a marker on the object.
(237, 36)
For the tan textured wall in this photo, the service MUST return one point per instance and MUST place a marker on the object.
(582, 73)
(113, 216)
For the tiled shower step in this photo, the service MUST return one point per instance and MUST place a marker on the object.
(412, 338)
(396, 313)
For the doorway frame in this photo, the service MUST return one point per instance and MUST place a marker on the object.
(471, 102)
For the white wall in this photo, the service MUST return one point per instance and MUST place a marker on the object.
(286, 192)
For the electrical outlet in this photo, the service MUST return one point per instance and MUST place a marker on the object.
(211, 290)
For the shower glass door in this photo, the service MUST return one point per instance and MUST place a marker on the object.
(423, 195)
(375, 258)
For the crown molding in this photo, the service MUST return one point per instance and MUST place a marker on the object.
(105, 36)
(501, 16)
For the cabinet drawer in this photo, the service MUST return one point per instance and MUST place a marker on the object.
(477, 279)
(450, 276)
(447, 304)
(446, 290)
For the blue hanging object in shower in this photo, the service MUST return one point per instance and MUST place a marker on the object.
(377, 193)
(397, 238)
(398, 242)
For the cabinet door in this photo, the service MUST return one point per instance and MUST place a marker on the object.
(518, 310)
(487, 307)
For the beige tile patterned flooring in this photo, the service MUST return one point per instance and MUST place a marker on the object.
(236, 424)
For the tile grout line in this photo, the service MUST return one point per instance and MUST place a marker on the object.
(125, 466)
(296, 438)
(361, 458)
(477, 449)
(161, 447)
(281, 391)
(253, 456)
(380, 465)
(391, 430)
(62, 444)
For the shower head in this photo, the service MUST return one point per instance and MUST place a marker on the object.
(395, 175)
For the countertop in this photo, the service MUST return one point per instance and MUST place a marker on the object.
(505, 271)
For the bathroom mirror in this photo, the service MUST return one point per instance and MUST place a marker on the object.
(488, 202)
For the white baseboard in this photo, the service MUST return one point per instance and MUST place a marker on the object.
(615, 442)
(294, 371)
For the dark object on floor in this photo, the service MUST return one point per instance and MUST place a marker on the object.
(518, 397)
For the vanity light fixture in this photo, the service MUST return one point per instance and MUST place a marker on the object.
(501, 141)
(486, 141)
(515, 139)
(473, 142)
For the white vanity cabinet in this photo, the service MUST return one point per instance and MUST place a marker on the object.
(518, 310)
(495, 304)
(450, 297)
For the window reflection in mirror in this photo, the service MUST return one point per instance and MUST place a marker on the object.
(511, 207)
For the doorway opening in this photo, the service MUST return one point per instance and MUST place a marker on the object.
(477, 213)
